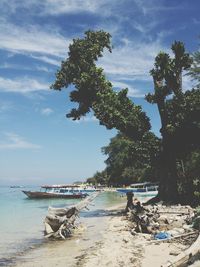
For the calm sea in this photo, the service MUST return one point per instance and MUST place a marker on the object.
(21, 219)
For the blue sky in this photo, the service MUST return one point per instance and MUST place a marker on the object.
(37, 143)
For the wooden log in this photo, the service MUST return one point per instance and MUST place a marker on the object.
(60, 222)
(187, 256)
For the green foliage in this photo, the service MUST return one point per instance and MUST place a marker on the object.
(195, 68)
(101, 178)
(189, 176)
(184, 120)
(179, 113)
(93, 91)
(131, 161)
(136, 153)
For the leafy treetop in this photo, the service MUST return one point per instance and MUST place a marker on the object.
(93, 91)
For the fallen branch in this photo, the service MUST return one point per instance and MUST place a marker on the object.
(60, 222)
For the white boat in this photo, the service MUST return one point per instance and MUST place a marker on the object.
(146, 189)
(57, 191)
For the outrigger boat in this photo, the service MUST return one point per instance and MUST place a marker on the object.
(146, 189)
(56, 191)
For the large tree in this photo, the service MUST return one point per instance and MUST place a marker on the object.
(92, 91)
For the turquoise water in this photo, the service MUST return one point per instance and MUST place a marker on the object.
(21, 223)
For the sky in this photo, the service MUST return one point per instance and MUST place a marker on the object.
(38, 144)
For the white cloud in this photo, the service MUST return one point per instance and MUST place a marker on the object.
(14, 141)
(133, 59)
(70, 6)
(46, 111)
(48, 60)
(153, 6)
(31, 39)
(24, 68)
(53, 7)
(133, 92)
(23, 85)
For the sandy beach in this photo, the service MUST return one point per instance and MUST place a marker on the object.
(105, 240)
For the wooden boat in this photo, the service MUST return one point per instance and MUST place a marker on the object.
(141, 189)
(56, 191)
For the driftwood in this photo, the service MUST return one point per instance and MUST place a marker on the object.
(187, 256)
(155, 219)
(60, 222)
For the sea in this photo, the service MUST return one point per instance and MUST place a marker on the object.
(21, 219)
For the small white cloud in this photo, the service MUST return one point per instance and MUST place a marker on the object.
(14, 141)
(23, 85)
(46, 111)
(85, 119)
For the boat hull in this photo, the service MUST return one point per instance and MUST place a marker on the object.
(142, 193)
(40, 195)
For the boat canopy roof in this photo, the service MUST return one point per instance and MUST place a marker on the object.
(60, 186)
(144, 184)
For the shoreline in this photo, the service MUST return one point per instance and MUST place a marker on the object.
(103, 240)
(62, 252)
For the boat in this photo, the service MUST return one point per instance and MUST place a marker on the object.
(16, 186)
(56, 191)
(146, 189)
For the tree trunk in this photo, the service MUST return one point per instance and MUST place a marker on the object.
(168, 190)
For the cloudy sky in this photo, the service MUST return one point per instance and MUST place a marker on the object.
(37, 143)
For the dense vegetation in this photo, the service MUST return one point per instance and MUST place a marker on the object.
(129, 161)
(136, 153)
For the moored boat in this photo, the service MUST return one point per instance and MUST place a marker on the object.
(56, 191)
(141, 189)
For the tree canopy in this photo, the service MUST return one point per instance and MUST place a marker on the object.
(131, 161)
(135, 145)
(93, 91)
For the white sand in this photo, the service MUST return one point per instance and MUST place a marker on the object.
(107, 241)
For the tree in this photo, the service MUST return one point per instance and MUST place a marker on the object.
(99, 178)
(180, 115)
(131, 161)
(92, 91)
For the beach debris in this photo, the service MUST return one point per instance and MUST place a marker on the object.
(60, 222)
(174, 224)
(187, 256)
(162, 235)
(155, 219)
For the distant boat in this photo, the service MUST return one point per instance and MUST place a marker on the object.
(16, 186)
(56, 191)
(146, 189)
